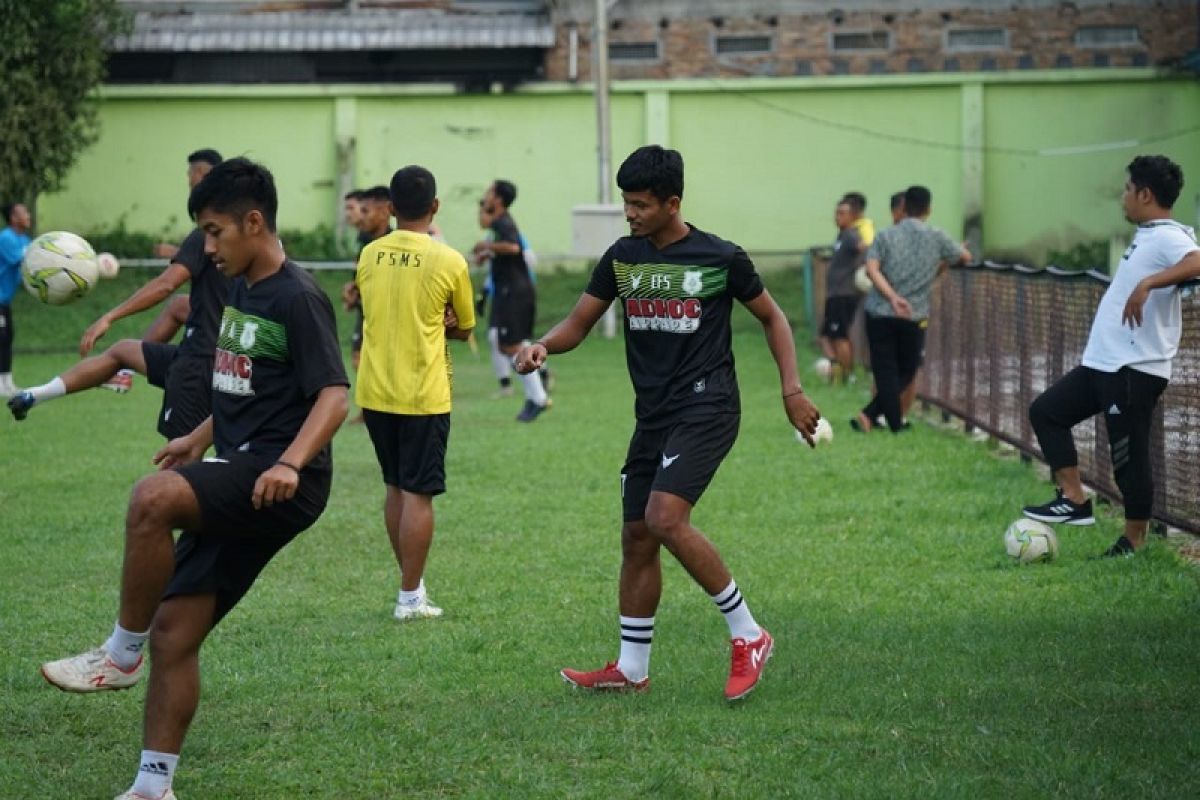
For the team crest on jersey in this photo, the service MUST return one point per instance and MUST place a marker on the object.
(693, 282)
(698, 386)
(242, 339)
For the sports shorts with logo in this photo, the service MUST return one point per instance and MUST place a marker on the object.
(839, 317)
(235, 540)
(513, 311)
(186, 382)
(411, 449)
(680, 459)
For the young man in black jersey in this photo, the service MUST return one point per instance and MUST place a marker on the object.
(279, 395)
(183, 371)
(677, 285)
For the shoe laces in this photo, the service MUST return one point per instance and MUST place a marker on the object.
(741, 657)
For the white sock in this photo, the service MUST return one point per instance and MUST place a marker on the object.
(501, 364)
(636, 633)
(125, 647)
(48, 391)
(741, 622)
(155, 772)
(6, 381)
(412, 598)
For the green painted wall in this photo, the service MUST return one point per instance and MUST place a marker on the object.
(766, 158)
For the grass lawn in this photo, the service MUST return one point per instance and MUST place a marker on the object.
(912, 658)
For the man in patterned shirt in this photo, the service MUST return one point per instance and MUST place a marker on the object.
(902, 263)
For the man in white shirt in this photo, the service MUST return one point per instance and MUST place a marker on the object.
(1127, 361)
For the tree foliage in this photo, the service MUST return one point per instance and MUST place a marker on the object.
(53, 57)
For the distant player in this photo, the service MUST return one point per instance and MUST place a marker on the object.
(407, 281)
(841, 295)
(374, 221)
(279, 395)
(184, 371)
(677, 285)
(1127, 362)
(14, 238)
(514, 298)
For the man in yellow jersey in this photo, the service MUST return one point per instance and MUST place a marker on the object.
(415, 293)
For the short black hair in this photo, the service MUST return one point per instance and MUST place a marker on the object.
(413, 192)
(7, 210)
(206, 155)
(897, 201)
(652, 169)
(1162, 176)
(379, 194)
(353, 194)
(856, 200)
(917, 200)
(506, 191)
(236, 187)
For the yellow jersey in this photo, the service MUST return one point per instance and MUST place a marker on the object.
(406, 280)
(866, 231)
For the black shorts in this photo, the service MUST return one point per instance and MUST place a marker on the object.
(839, 316)
(411, 449)
(186, 381)
(235, 541)
(513, 312)
(680, 459)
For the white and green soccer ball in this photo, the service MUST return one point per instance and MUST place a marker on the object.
(1029, 541)
(823, 434)
(823, 367)
(59, 268)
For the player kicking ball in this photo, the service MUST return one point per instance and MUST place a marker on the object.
(279, 395)
(677, 285)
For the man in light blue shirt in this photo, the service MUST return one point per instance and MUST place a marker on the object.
(13, 241)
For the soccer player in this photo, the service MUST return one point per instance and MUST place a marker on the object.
(407, 281)
(514, 298)
(903, 263)
(13, 241)
(1126, 364)
(374, 221)
(841, 295)
(677, 285)
(279, 395)
(184, 371)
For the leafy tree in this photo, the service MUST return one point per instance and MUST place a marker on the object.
(52, 58)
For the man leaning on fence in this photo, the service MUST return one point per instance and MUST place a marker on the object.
(1127, 361)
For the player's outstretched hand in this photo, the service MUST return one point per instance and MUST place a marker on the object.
(178, 452)
(803, 415)
(529, 358)
(94, 332)
(276, 485)
(1132, 315)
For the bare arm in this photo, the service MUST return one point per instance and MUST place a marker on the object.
(151, 294)
(278, 484)
(898, 303)
(564, 336)
(1187, 268)
(800, 411)
(187, 448)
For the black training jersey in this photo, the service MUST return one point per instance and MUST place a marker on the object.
(277, 348)
(508, 272)
(677, 304)
(210, 290)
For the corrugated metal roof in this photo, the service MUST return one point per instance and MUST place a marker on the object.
(287, 31)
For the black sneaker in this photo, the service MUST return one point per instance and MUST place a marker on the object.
(19, 404)
(1062, 509)
(530, 411)
(1122, 548)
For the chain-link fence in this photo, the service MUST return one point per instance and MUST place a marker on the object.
(999, 335)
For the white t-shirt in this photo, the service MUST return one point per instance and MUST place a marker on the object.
(1149, 347)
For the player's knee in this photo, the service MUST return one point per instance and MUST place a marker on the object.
(171, 639)
(637, 540)
(124, 351)
(1038, 416)
(665, 523)
(155, 498)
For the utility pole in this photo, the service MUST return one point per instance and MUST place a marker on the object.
(608, 324)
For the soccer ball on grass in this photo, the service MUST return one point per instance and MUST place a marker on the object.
(59, 268)
(1030, 541)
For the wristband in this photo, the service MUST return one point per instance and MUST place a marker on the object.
(793, 394)
(292, 467)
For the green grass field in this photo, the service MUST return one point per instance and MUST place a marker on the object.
(912, 659)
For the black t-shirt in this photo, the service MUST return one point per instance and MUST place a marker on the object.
(509, 273)
(277, 349)
(677, 304)
(210, 290)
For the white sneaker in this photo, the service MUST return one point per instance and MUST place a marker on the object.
(132, 795)
(92, 671)
(421, 610)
